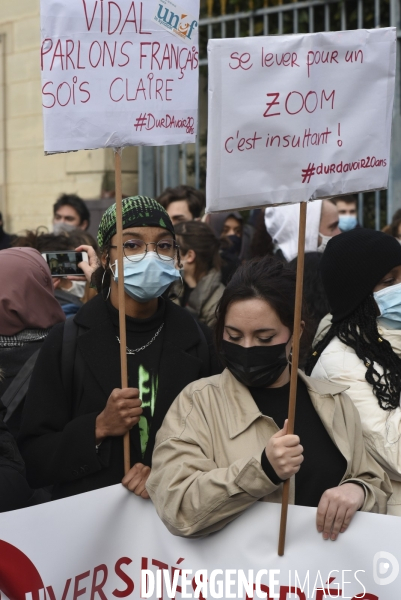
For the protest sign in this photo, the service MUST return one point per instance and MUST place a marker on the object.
(299, 117)
(118, 73)
(110, 544)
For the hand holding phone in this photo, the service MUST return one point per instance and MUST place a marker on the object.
(65, 264)
(93, 262)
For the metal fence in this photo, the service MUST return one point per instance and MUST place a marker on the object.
(169, 166)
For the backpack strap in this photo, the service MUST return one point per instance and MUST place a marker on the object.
(18, 388)
(72, 371)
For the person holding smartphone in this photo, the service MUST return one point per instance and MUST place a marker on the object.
(73, 425)
(59, 251)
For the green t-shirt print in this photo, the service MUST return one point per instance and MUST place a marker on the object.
(147, 385)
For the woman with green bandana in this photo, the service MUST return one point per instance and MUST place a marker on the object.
(75, 412)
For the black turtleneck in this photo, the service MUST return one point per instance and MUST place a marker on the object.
(324, 465)
(143, 369)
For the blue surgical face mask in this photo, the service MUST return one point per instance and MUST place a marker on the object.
(347, 222)
(147, 278)
(389, 302)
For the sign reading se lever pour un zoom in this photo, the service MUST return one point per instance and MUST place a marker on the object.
(119, 73)
(295, 117)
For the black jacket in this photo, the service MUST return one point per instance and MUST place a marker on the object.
(14, 489)
(57, 437)
(11, 361)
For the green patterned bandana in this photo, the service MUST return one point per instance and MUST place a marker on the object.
(138, 211)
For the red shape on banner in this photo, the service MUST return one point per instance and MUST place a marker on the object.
(18, 575)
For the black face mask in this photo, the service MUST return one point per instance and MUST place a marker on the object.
(257, 366)
(235, 244)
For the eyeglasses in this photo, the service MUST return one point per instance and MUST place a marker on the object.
(136, 250)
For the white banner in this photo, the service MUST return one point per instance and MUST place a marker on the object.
(100, 545)
(296, 117)
(119, 73)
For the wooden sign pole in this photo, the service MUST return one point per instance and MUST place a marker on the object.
(121, 293)
(295, 362)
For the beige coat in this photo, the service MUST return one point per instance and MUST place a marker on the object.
(206, 463)
(204, 298)
(381, 428)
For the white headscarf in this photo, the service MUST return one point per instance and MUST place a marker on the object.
(282, 222)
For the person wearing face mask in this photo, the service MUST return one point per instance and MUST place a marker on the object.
(282, 223)
(224, 443)
(71, 430)
(201, 288)
(360, 345)
(68, 291)
(82, 241)
(347, 207)
(235, 240)
(70, 212)
(328, 226)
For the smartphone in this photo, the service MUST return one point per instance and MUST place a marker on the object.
(62, 264)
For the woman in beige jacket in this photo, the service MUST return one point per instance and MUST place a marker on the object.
(360, 346)
(224, 443)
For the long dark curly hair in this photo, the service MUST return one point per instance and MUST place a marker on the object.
(359, 332)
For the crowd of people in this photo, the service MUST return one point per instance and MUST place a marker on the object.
(209, 311)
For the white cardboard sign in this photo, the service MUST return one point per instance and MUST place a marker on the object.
(97, 546)
(118, 73)
(299, 117)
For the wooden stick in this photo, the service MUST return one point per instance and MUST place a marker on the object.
(295, 362)
(121, 293)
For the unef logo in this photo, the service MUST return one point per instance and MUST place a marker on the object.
(176, 20)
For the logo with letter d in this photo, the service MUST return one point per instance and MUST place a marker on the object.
(385, 568)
